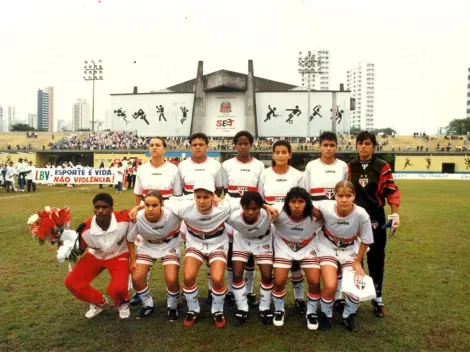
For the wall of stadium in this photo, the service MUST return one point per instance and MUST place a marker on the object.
(155, 114)
(285, 113)
(224, 114)
(412, 164)
(4, 157)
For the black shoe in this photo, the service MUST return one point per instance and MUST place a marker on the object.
(339, 306)
(240, 317)
(266, 317)
(135, 299)
(252, 300)
(278, 318)
(229, 299)
(351, 323)
(145, 312)
(312, 321)
(301, 306)
(172, 314)
(209, 299)
(379, 309)
(325, 322)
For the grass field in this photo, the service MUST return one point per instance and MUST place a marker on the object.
(427, 286)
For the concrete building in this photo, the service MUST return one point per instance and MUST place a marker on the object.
(224, 102)
(361, 83)
(322, 80)
(2, 121)
(81, 115)
(468, 93)
(45, 112)
(11, 117)
(33, 120)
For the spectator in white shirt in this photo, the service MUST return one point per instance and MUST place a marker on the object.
(30, 169)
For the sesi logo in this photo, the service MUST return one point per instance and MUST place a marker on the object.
(225, 123)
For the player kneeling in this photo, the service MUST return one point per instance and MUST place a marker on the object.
(252, 236)
(294, 239)
(338, 247)
(160, 238)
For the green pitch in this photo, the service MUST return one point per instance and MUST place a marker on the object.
(426, 291)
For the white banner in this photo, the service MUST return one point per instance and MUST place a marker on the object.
(285, 114)
(429, 176)
(159, 114)
(74, 176)
(224, 114)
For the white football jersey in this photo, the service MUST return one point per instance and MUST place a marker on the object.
(295, 231)
(241, 177)
(191, 171)
(165, 179)
(273, 187)
(166, 228)
(342, 231)
(320, 179)
(257, 230)
(208, 228)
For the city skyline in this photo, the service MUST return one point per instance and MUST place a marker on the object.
(413, 83)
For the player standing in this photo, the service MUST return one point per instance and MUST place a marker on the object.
(373, 181)
(320, 178)
(200, 167)
(273, 186)
(241, 174)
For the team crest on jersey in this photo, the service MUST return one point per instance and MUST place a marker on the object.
(363, 181)
(313, 253)
(375, 224)
(172, 251)
(266, 246)
(241, 190)
(329, 193)
(359, 283)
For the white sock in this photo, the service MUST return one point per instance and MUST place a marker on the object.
(209, 281)
(378, 299)
(239, 291)
(352, 303)
(339, 287)
(190, 294)
(229, 273)
(297, 279)
(249, 279)
(217, 301)
(265, 296)
(278, 298)
(172, 298)
(312, 303)
(145, 297)
(327, 306)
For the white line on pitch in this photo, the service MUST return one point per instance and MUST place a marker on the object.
(39, 193)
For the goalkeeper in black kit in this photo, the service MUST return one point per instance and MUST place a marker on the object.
(373, 180)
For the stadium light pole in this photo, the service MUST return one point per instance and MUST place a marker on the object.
(308, 67)
(93, 72)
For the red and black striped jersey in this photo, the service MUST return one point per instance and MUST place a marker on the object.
(374, 183)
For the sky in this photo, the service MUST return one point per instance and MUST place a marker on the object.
(420, 49)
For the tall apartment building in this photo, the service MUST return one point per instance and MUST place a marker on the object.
(81, 115)
(468, 93)
(2, 121)
(45, 112)
(33, 120)
(11, 116)
(321, 80)
(361, 83)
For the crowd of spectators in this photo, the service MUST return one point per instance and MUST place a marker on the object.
(102, 141)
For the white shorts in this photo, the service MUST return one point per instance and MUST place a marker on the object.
(208, 252)
(230, 231)
(147, 253)
(285, 255)
(337, 257)
(262, 249)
